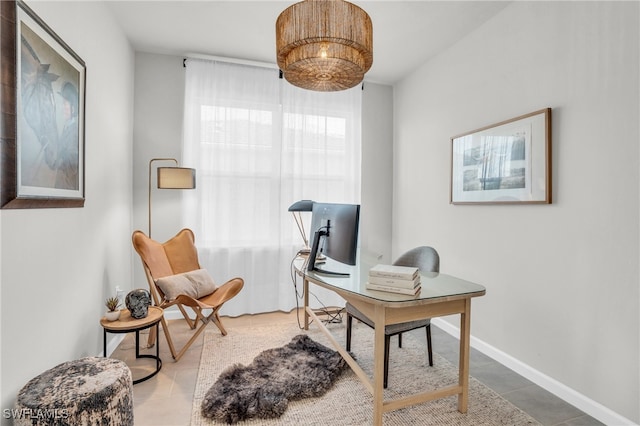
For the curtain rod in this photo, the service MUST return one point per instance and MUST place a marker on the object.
(229, 60)
(235, 61)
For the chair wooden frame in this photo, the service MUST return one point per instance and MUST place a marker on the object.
(175, 256)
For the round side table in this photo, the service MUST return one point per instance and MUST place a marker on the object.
(127, 324)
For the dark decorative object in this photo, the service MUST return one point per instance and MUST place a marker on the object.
(138, 302)
(301, 369)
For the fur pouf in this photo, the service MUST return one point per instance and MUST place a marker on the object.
(85, 391)
(301, 369)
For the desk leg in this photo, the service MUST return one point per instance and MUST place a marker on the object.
(378, 365)
(305, 286)
(463, 368)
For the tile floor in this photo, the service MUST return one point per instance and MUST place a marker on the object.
(166, 399)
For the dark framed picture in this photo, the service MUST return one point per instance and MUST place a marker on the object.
(504, 163)
(43, 159)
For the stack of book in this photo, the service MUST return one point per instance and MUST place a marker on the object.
(394, 279)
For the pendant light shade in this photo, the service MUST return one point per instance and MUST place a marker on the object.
(324, 45)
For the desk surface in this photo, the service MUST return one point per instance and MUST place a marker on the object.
(435, 286)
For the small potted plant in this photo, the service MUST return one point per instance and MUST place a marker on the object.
(112, 304)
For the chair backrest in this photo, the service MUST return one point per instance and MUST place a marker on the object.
(175, 256)
(426, 259)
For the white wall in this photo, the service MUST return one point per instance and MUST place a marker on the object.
(157, 133)
(59, 265)
(377, 170)
(562, 279)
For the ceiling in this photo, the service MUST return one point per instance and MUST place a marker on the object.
(406, 34)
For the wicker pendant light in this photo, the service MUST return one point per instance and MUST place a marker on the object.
(324, 45)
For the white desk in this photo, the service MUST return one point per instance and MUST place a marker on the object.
(441, 295)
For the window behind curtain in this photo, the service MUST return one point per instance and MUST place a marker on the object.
(260, 144)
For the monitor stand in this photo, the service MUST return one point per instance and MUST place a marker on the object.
(317, 257)
(330, 273)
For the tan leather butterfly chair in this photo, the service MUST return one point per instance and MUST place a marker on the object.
(177, 256)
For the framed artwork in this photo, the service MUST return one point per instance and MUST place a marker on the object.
(43, 82)
(504, 163)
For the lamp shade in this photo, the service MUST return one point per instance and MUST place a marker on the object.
(176, 178)
(324, 45)
(301, 206)
(295, 209)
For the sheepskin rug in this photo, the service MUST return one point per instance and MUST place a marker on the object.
(301, 369)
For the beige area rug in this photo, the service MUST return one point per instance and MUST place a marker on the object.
(348, 402)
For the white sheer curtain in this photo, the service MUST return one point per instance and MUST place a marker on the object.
(259, 144)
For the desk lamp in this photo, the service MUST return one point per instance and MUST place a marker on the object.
(171, 178)
(298, 207)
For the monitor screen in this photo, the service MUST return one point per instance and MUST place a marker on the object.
(335, 234)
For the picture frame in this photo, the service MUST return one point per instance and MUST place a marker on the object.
(504, 163)
(43, 97)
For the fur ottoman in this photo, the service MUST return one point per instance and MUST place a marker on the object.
(87, 391)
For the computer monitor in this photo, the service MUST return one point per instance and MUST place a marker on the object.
(335, 234)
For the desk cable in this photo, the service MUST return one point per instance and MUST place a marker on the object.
(332, 317)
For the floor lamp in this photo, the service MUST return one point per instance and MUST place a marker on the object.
(297, 207)
(171, 178)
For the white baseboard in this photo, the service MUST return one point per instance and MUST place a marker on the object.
(578, 400)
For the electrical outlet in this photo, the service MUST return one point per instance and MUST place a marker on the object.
(120, 295)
